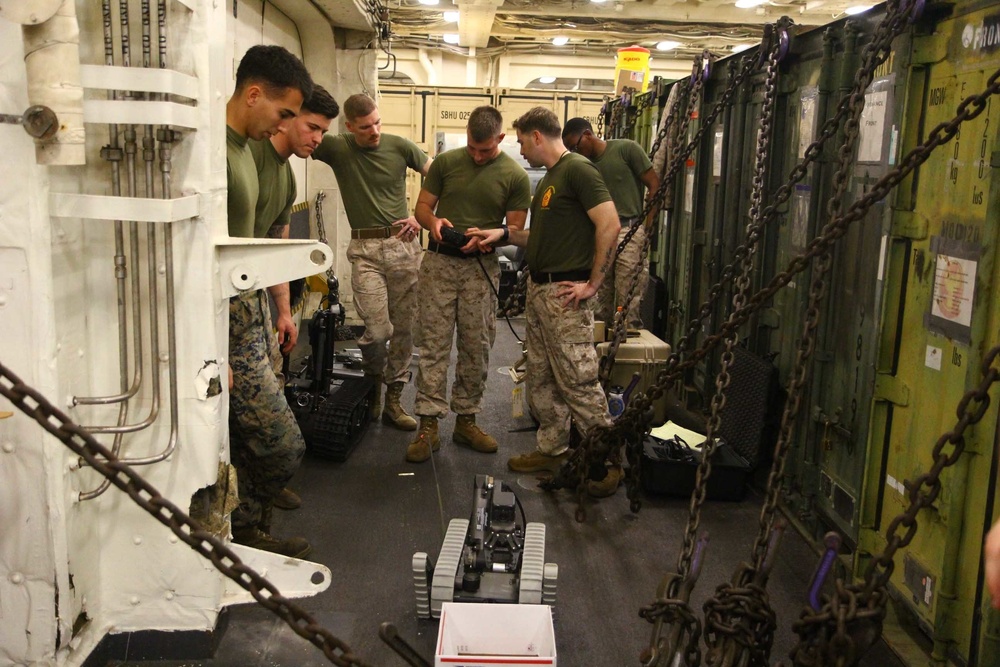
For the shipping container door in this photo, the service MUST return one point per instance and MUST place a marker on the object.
(949, 318)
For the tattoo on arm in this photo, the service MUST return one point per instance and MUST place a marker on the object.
(606, 266)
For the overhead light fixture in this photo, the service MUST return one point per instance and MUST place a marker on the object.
(451, 17)
(667, 45)
(450, 38)
(857, 9)
(560, 41)
(546, 79)
(740, 48)
(598, 2)
(748, 4)
(428, 2)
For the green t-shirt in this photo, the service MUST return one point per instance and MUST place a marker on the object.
(562, 234)
(277, 188)
(241, 179)
(372, 180)
(621, 164)
(472, 195)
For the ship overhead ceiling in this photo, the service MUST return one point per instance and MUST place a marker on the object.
(597, 27)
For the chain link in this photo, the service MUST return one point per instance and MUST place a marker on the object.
(321, 229)
(32, 403)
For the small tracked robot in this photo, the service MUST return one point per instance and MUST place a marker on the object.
(492, 557)
(329, 395)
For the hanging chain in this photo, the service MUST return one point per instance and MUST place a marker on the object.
(32, 403)
(321, 229)
(600, 117)
(850, 619)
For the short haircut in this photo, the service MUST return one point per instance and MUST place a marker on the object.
(358, 106)
(321, 102)
(276, 69)
(485, 122)
(541, 119)
(575, 126)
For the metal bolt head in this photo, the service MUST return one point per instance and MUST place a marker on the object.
(40, 122)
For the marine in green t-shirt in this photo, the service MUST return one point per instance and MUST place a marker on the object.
(623, 164)
(626, 169)
(562, 233)
(477, 195)
(384, 251)
(471, 188)
(265, 442)
(372, 179)
(277, 192)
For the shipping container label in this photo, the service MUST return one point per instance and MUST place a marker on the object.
(955, 268)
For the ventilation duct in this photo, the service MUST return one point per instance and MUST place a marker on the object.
(475, 21)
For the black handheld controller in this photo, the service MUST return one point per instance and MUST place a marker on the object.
(452, 237)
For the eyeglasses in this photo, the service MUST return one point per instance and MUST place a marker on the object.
(575, 147)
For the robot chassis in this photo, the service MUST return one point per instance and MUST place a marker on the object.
(491, 557)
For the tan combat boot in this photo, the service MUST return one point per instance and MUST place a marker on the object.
(394, 414)
(427, 440)
(469, 435)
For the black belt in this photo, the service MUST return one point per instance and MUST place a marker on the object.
(540, 277)
(448, 250)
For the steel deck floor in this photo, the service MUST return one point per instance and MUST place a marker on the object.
(366, 517)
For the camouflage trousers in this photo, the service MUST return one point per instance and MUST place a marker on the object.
(456, 302)
(384, 279)
(562, 368)
(265, 443)
(615, 286)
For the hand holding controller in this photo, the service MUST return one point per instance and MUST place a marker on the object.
(452, 237)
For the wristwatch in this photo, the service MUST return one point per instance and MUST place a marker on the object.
(506, 234)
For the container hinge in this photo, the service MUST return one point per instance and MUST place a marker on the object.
(928, 49)
(892, 389)
(909, 225)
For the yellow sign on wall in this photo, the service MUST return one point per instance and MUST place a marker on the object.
(632, 70)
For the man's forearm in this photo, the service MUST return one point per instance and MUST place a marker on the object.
(424, 215)
(282, 299)
(605, 240)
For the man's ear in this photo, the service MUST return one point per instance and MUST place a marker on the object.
(500, 138)
(254, 94)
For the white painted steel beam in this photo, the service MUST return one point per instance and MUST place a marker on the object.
(250, 264)
(293, 577)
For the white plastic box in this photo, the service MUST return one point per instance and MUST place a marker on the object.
(495, 635)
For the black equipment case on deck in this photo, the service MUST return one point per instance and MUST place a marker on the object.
(670, 467)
